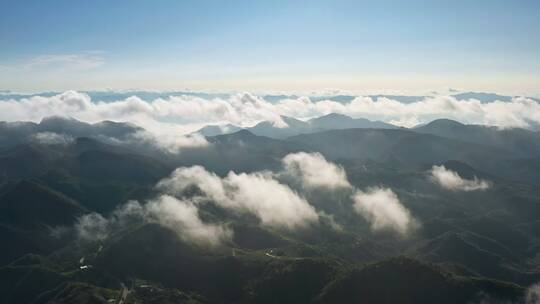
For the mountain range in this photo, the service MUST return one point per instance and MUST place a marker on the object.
(294, 126)
(86, 214)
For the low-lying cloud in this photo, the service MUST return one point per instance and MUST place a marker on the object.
(51, 138)
(273, 203)
(92, 227)
(168, 142)
(379, 206)
(532, 295)
(259, 194)
(451, 180)
(383, 210)
(181, 216)
(314, 171)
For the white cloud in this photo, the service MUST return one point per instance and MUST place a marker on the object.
(314, 171)
(276, 205)
(273, 203)
(450, 180)
(164, 135)
(379, 206)
(382, 208)
(51, 138)
(181, 216)
(532, 295)
(259, 194)
(92, 227)
(185, 114)
(82, 61)
(185, 177)
(169, 142)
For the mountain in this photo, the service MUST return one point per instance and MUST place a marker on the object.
(400, 98)
(13, 133)
(483, 97)
(519, 142)
(270, 129)
(126, 167)
(336, 121)
(213, 130)
(76, 292)
(82, 157)
(394, 145)
(408, 281)
(20, 243)
(25, 160)
(483, 255)
(31, 205)
(241, 151)
(22, 284)
(464, 246)
(76, 128)
(295, 127)
(62, 128)
(28, 213)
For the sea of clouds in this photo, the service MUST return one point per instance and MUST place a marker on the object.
(185, 113)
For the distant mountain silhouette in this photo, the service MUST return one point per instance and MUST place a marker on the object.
(294, 126)
(519, 142)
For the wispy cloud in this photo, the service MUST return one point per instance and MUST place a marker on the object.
(314, 171)
(80, 61)
(262, 195)
(180, 216)
(51, 138)
(451, 180)
(532, 295)
(383, 210)
(259, 194)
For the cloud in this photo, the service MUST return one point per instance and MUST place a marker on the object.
(382, 208)
(259, 194)
(165, 136)
(379, 206)
(314, 171)
(82, 61)
(92, 227)
(181, 216)
(450, 180)
(51, 138)
(277, 205)
(182, 114)
(532, 295)
(185, 177)
(168, 142)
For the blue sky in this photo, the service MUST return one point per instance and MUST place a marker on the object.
(401, 46)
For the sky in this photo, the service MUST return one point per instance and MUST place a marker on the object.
(365, 46)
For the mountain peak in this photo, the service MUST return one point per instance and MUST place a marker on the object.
(341, 121)
(57, 118)
(445, 122)
(331, 118)
(334, 115)
(214, 130)
(242, 134)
